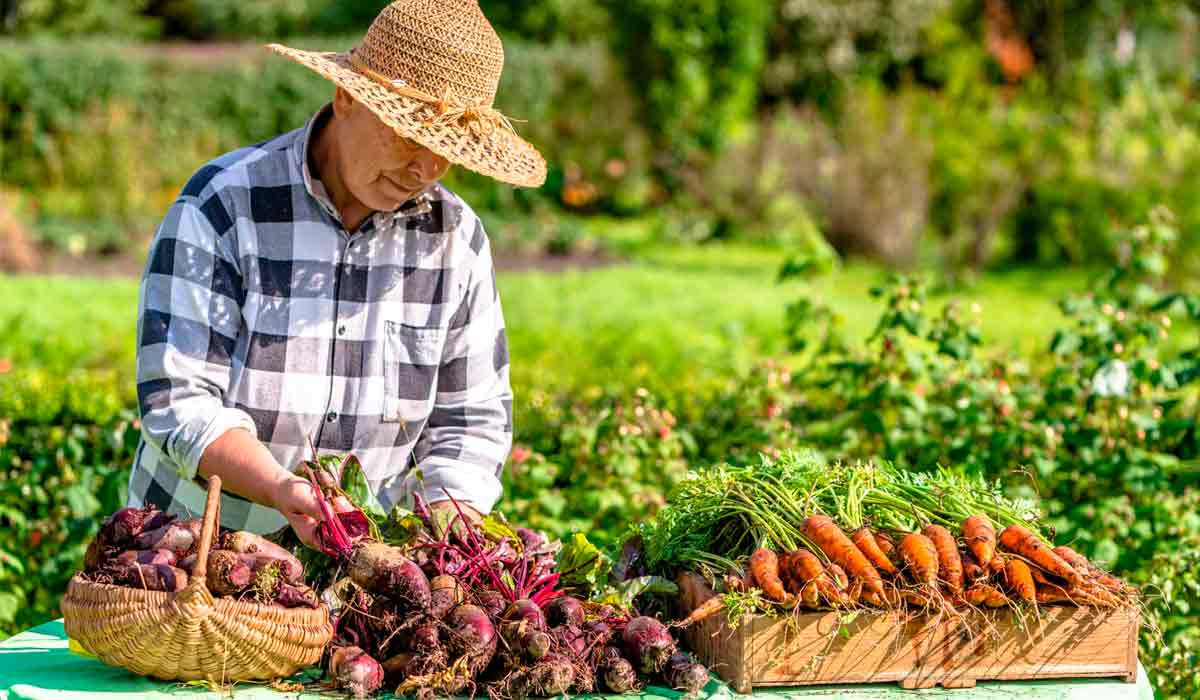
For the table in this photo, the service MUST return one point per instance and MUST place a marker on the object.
(37, 665)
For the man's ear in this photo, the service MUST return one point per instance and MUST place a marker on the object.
(343, 102)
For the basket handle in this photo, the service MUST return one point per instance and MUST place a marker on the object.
(212, 520)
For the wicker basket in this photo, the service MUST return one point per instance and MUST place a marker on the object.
(190, 635)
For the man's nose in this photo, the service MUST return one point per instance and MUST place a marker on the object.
(430, 166)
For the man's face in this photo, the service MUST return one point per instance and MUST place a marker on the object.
(379, 167)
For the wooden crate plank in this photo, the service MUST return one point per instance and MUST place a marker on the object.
(916, 651)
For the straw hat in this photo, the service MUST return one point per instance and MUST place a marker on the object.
(429, 69)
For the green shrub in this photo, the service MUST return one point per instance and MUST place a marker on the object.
(66, 444)
(697, 67)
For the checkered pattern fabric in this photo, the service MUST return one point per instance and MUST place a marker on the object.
(259, 311)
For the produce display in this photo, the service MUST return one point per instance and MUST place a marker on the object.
(148, 549)
(428, 604)
(797, 533)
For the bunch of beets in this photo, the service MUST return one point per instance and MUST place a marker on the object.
(459, 610)
(149, 549)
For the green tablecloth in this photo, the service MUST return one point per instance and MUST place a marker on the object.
(36, 665)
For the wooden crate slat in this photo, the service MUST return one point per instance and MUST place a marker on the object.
(917, 651)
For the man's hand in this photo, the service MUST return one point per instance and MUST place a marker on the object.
(295, 500)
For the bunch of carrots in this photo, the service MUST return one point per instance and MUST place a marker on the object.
(930, 542)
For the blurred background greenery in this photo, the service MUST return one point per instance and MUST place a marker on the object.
(728, 181)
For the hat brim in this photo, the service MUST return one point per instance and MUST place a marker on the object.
(497, 153)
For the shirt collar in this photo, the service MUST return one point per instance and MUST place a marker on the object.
(417, 206)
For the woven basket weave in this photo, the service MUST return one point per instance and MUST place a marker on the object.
(190, 635)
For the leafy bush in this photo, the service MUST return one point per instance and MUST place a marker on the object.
(104, 138)
(697, 65)
(66, 444)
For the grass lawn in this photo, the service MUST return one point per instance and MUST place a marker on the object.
(670, 312)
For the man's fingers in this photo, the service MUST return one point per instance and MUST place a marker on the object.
(305, 528)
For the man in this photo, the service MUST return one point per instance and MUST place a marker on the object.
(323, 287)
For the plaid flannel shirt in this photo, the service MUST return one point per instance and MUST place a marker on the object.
(259, 311)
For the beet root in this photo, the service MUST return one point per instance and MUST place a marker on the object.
(619, 675)
(153, 556)
(648, 643)
(384, 570)
(473, 636)
(683, 673)
(151, 577)
(445, 593)
(295, 596)
(120, 528)
(265, 551)
(527, 611)
(551, 676)
(228, 573)
(175, 537)
(491, 601)
(564, 610)
(354, 670)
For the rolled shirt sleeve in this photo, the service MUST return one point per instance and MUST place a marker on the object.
(463, 448)
(188, 323)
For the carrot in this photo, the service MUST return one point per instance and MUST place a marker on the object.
(868, 543)
(764, 566)
(703, 611)
(979, 593)
(1051, 593)
(855, 591)
(1020, 580)
(1081, 564)
(823, 532)
(996, 598)
(887, 544)
(1019, 540)
(838, 575)
(972, 571)
(949, 563)
(920, 557)
(980, 537)
(810, 574)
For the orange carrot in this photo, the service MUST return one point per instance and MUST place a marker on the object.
(868, 543)
(972, 571)
(854, 591)
(1081, 564)
(1020, 580)
(1019, 540)
(949, 564)
(980, 537)
(705, 610)
(808, 570)
(886, 544)
(824, 533)
(981, 593)
(996, 598)
(764, 566)
(838, 575)
(920, 557)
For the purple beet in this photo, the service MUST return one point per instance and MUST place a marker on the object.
(648, 643)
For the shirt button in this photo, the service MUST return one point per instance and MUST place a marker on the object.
(342, 329)
(332, 416)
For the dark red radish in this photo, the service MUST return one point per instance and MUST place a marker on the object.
(265, 551)
(491, 601)
(384, 570)
(228, 573)
(683, 673)
(648, 643)
(472, 636)
(551, 676)
(295, 596)
(352, 669)
(619, 675)
(151, 577)
(445, 593)
(564, 610)
(175, 537)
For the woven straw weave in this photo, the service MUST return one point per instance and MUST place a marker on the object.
(190, 635)
(429, 69)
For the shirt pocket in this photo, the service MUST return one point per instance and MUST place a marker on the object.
(411, 356)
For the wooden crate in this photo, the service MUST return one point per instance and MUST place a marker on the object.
(918, 651)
